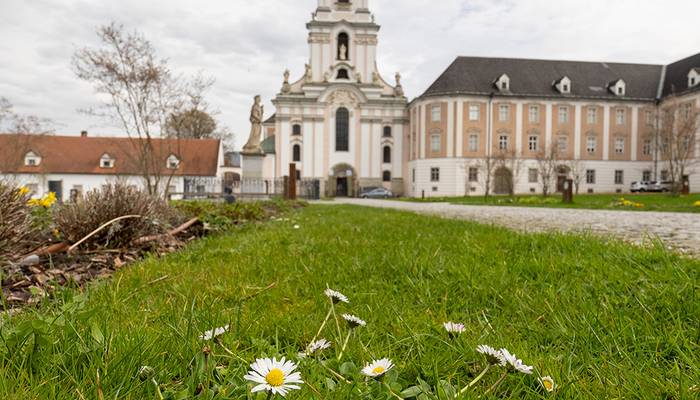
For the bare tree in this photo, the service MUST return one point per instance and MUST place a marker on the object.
(577, 169)
(142, 91)
(23, 124)
(547, 166)
(677, 138)
(511, 161)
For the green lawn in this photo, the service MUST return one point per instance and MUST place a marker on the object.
(650, 201)
(605, 320)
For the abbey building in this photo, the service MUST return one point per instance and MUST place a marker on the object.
(484, 123)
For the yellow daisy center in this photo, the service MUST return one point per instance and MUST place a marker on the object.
(378, 370)
(548, 385)
(275, 377)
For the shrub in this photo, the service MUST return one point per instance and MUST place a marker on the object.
(220, 216)
(77, 220)
(15, 222)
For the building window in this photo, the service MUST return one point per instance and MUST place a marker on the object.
(646, 147)
(649, 118)
(106, 161)
(386, 176)
(532, 175)
(342, 126)
(474, 111)
(473, 143)
(590, 176)
(503, 112)
(173, 162)
(296, 130)
(592, 115)
(646, 176)
(343, 74)
(434, 174)
(533, 143)
(503, 142)
(435, 142)
(33, 189)
(387, 155)
(563, 114)
(534, 114)
(620, 116)
(619, 145)
(473, 174)
(436, 112)
(664, 175)
(591, 144)
(619, 177)
(563, 144)
(387, 132)
(296, 153)
(31, 159)
(413, 175)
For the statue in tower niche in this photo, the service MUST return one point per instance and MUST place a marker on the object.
(286, 88)
(343, 52)
(256, 120)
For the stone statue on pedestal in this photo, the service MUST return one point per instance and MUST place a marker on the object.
(398, 90)
(308, 75)
(343, 53)
(256, 119)
(286, 88)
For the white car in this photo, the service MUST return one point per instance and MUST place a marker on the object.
(640, 187)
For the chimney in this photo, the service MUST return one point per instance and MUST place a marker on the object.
(83, 133)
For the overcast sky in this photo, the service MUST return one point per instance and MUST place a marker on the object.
(247, 44)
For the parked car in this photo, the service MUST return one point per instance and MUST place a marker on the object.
(378, 193)
(640, 187)
(658, 186)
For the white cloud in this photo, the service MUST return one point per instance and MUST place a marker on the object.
(246, 45)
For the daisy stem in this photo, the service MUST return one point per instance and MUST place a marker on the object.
(391, 391)
(474, 382)
(269, 395)
(337, 375)
(337, 325)
(158, 392)
(498, 382)
(325, 321)
(345, 344)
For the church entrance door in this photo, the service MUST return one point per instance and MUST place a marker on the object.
(341, 187)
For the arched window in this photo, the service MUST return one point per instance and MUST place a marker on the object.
(343, 46)
(296, 153)
(342, 125)
(343, 74)
(386, 176)
(296, 130)
(387, 131)
(387, 155)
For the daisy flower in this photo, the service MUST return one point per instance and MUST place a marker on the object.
(353, 321)
(493, 356)
(454, 328)
(516, 364)
(209, 335)
(321, 344)
(377, 368)
(547, 383)
(336, 297)
(277, 377)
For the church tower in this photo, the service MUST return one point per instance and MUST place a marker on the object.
(341, 123)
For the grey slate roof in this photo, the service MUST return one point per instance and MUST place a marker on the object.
(476, 75)
(677, 75)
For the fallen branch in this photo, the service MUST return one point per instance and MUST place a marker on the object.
(173, 232)
(96, 231)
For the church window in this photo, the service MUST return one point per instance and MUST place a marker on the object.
(342, 126)
(343, 46)
(296, 130)
(296, 153)
(387, 131)
(386, 176)
(343, 74)
(387, 155)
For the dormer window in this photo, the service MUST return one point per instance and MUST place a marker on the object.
(32, 159)
(618, 88)
(503, 83)
(106, 161)
(173, 162)
(694, 77)
(563, 85)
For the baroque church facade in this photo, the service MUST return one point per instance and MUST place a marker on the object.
(483, 122)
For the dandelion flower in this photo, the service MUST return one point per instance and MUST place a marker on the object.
(696, 204)
(319, 345)
(277, 377)
(493, 356)
(336, 296)
(353, 321)
(516, 364)
(547, 383)
(377, 368)
(209, 335)
(454, 328)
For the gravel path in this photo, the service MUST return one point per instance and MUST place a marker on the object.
(677, 230)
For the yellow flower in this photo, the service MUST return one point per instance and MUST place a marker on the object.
(696, 204)
(34, 202)
(23, 190)
(49, 200)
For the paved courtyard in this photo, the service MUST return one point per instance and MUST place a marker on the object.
(677, 230)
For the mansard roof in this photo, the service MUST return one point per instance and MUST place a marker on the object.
(677, 75)
(528, 77)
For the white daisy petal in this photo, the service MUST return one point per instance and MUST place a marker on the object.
(214, 333)
(493, 356)
(353, 321)
(516, 364)
(274, 376)
(335, 296)
(377, 368)
(454, 328)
